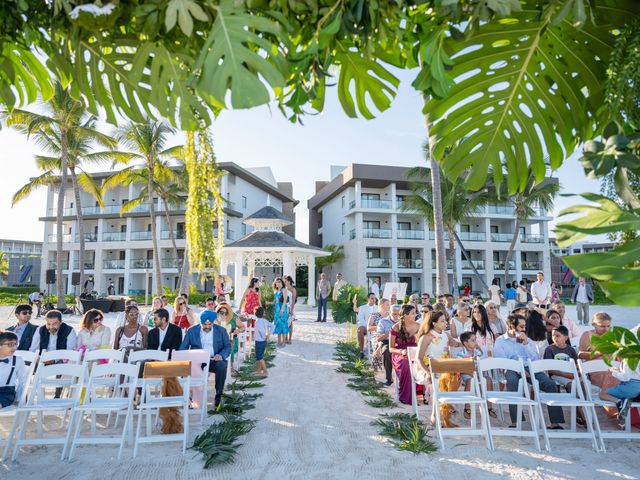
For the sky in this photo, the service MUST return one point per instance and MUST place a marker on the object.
(301, 154)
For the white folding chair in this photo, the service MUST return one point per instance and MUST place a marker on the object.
(592, 391)
(573, 399)
(199, 380)
(412, 356)
(110, 355)
(39, 403)
(68, 356)
(95, 403)
(520, 398)
(473, 397)
(150, 402)
(31, 360)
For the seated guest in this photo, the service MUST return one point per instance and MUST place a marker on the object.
(385, 324)
(215, 340)
(470, 350)
(132, 336)
(536, 330)
(13, 373)
(165, 336)
(626, 392)
(54, 334)
(94, 334)
(374, 318)
(493, 312)
(364, 312)
(24, 329)
(561, 349)
(148, 318)
(461, 322)
(560, 307)
(121, 319)
(515, 345)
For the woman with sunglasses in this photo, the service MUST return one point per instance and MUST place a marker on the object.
(93, 334)
(230, 322)
(183, 315)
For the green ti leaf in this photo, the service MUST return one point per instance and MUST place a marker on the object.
(182, 11)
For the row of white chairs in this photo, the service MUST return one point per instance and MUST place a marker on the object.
(582, 394)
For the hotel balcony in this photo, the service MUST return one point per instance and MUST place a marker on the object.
(415, 263)
(410, 234)
(376, 233)
(378, 263)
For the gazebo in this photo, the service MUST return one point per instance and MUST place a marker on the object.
(268, 246)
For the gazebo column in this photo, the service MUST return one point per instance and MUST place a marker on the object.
(237, 280)
(311, 263)
(288, 266)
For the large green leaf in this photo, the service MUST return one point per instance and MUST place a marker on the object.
(526, 92)
(22, 76)
(369, 78)
(240, 57)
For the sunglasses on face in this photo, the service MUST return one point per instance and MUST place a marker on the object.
(26, 313)
(97, 319)
(223, 313)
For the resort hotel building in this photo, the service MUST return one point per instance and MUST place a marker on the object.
(119, 246)
(360, 208)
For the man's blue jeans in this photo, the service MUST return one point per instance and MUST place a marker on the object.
(322, 308)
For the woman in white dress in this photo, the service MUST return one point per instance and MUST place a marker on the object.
(132, 336)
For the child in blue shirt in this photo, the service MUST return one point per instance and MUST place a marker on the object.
(262, 332)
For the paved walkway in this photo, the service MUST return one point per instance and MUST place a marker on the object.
(311, 426)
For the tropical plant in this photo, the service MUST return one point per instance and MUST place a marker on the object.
(342, 308)
(457, 205)
(146, 162)
(337, 254)
(4, 266)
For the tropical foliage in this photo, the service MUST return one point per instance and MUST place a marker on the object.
(337, 254)
(342, 308)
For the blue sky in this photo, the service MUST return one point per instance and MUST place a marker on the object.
(301, 154)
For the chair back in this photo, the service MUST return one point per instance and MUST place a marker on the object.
(47, 376)
(112, 356)
(559, 366)
(30, 358)
(148, 355)
(592, 366)
(31, 361)
(452, 365)
(167, 372)
(127, 372)
(492, 363)
(70, 356)
(198, 358)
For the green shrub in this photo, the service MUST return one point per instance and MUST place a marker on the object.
(342, 308)
(266, 295)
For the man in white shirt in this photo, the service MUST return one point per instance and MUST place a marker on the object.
(54, 334)
(364, 312)
(35, 298)
(337, 286)
(541, 292)
(375, 288)
(166, 306)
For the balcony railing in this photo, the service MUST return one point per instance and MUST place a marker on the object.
(501, 237)
(65, 264)
(170, 262)
(432, 235)
(501, 209)
(531, 238)
(433, 263)
(378, 263)
(88, 265)
(177, 234)
(88, 237)
(376, 233)
(141, 235)
(352, 234)
(141, 263)
(409, 263)
(466, 264)
(114, 236)
(372, 203)
(535, 265)
(410, 234)
(113, 264)
(500, 264)
(473, 236)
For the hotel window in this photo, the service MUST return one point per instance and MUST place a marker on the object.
(344, 228)
(244, 202)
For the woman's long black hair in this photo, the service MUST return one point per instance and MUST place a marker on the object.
(483, 329)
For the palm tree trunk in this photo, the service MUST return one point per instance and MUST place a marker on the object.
(452, 260)
(80, 220)
(64, 155)
(185, 274)
(154, 230)
(512, 247)
(466, 255)
(172, 237)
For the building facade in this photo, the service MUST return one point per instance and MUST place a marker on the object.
(119, 246)
(24, 261)
(560, 273)
(361, 209)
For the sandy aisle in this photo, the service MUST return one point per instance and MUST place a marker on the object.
(310, 425)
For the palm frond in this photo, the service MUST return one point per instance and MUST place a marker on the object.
(47, 163)
(89, 185)
(46, 179)
(122, 177)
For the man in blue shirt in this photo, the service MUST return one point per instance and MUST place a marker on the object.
(214, 339)
(384, 327)
(515, 345)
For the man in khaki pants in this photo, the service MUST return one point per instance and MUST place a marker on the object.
(582, 296)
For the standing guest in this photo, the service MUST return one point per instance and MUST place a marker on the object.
(560, 307)
(448, 304)
(292, 298)
(132, 336)
(322, 296)
(375, 288)
(466, 290)
(556, 291)
(233, 326)
(582, 296)
(35, 298)
(121, 319)
(250, 300)
(156, 304)
(262, 333)
(214, 339)
(402, 336)
(13, 372)
(337, 286)
(280, 311)
(515, 345)
(89, 285)
(166, 306)
(183, 315)
(93, 333)
(523, 296)
(385, 324)
(24, 329)
(461, 322)
(54, 334)
(483, 329)
(362, 321)
(164, 336)
(510, 295)
(493, 311)
(426, 299)
(477, 300)
(541, 292)
(495, 293)
(111, 289)
(210, 304)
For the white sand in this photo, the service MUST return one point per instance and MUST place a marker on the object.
(310, 425)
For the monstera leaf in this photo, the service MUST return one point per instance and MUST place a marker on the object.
(528, 88)
(22, 77)
(239, 57)
(618, 342)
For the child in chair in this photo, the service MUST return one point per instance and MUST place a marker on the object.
(13, 372)
(469, 350)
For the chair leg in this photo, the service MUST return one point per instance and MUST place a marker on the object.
(438, 426)
(137, 438)
(69, 433)
(186, 427)
(76, 434)
(10, 436)
(534, 425)
(125, 430)
(543, 427)
(21, 435)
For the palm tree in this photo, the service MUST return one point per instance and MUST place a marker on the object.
(337, 254)
(457, 204)
(66, 130)
(147, 142)
(526, 202)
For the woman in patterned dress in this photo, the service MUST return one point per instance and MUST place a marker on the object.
(280, 311)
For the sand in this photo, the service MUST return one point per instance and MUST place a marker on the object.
(310, 425)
